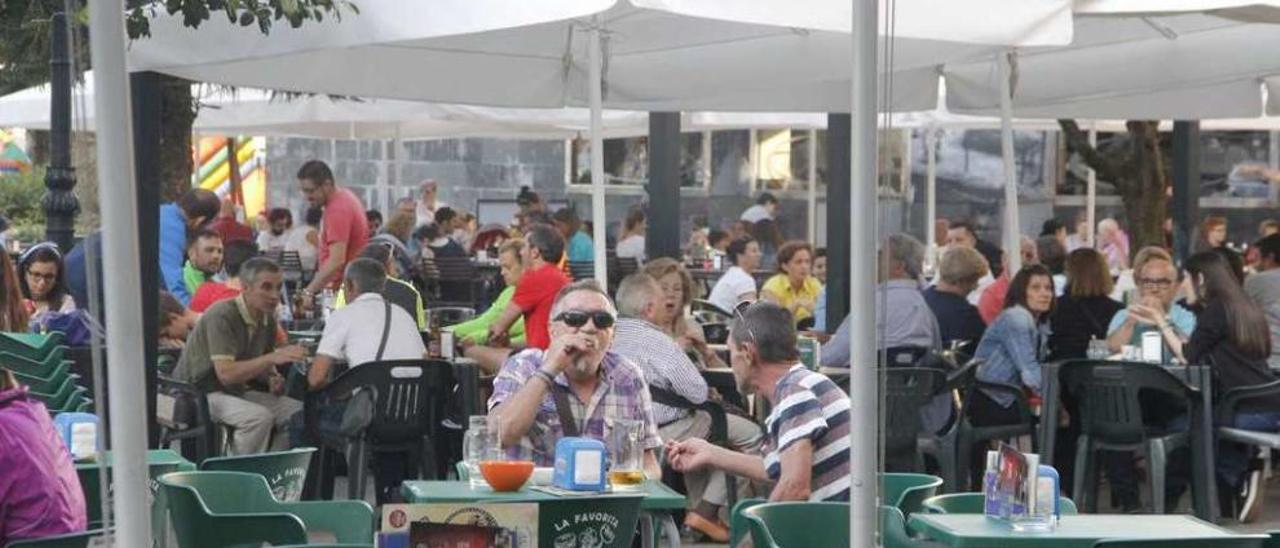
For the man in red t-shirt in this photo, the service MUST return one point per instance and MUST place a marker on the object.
(536, 290)
(343, 230)
(228, 227)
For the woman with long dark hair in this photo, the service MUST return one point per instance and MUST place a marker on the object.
(13, 313)
(1232, 337)
(40, 276)
(1085, 309)
(1014, 345)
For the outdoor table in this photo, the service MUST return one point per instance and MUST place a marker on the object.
(656, 507)
(1204, 487)
(1077, 531)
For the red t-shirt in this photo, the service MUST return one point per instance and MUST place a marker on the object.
(992, 300)
(343, 222)
(535, 293)
(231, 231)
(209, 293)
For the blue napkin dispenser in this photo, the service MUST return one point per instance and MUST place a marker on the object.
(580, 465)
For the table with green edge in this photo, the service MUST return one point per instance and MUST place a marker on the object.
(159, 463)
(655, 508)
(1078, 531)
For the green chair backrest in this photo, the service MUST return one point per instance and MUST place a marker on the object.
(57, 397)
(36, 346)
(51, 369)
(72, 540)
(239, 495)
(88, 474)
(285, 471)
(209, 509)
(972, 503)
(1238, 541)
(794, 524)
(907, 491)
(42, 384)
(738, 521)
(893, 529)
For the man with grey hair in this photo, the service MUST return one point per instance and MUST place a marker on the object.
(673, 377)
(577, 378)
(904, 317)
(429, 204)
(232, 356)
(368, 329)
(807, 433)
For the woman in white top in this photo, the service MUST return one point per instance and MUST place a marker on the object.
(305, 239)
(631, 245)
(737, 283)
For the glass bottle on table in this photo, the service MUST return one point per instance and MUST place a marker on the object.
(479, 443)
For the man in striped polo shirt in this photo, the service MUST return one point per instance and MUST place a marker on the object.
(807, 446)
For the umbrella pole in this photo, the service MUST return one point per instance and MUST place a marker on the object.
(864, 438)
(1012, 233)
(931, 197)
(813, 185)
(1091, 190)
(596, 96)
(117, 193)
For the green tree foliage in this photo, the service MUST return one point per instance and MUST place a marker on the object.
(20, 200)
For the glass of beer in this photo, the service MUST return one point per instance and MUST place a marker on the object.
(626, 466)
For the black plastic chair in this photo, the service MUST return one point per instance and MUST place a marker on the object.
(706, 309)
(944, 447)
(715, 333)
(459, 281)
(968, 434)
(182, 411)
(409, 403)
(906, 391)
(904, 356)
(582, 270)
(1110, 417)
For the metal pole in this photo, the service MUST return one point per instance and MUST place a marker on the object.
(1186, 186)
(117, 194)
(813, 186)
(931, 196)
(59, 202)
(663, 236)
(864, 382)
(753, 158)
(1091, 190)
(595, 94)
(1012, 231)
(706, 160)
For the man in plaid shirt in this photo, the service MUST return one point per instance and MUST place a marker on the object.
(599, 386)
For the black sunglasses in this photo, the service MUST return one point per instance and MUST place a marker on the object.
(578, 318)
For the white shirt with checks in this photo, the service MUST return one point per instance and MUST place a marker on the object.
(664, 364)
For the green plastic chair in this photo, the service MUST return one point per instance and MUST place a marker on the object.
(71, 540)
(907, 491)
(738, 528)
(810, 524)
(35, 346)
(53, 370)
(1238, 541)
(42, 384)
(893, 531)
(61, 396)
(285, 471)
(215, 509)
(1274, 541)
(972, 503)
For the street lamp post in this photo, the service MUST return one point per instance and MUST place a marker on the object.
(59, 201)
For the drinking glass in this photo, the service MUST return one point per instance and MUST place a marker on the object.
(626, 470)
(479, 443)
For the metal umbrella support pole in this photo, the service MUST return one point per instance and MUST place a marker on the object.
(1012, 230)
(595, 95)
(116, 191)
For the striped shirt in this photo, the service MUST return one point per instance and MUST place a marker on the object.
(665, 366)
(808, 405)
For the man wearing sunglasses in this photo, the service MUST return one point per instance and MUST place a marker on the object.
(576, 387)
(1157, 281)
(806, 434)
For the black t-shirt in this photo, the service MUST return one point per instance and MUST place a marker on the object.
(1077, 319)
(957, 319)
(1211, 345)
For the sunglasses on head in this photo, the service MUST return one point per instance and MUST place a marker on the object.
(578, 318)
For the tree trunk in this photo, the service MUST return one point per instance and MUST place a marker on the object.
(1138, 170)
(1145, 199)
(179, 114)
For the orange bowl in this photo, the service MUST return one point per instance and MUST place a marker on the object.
(506, 475)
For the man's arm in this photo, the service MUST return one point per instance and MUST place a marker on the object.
(795, 483)
(318, 374)
(237, 373)
(337, 254)
(515, 416)
(1122, 335)
(505, 319)
(740, 464)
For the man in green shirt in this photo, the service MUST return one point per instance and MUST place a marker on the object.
(232, 356)
(473, 335)
(204, 260)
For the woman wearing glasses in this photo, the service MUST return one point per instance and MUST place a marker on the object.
(40, 277)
